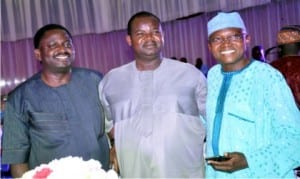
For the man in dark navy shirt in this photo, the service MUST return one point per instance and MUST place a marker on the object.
(57, 112)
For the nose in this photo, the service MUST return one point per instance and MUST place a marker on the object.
(62, 48)
(149, 36)
(226, 40)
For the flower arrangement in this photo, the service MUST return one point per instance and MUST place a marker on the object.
(70, 167)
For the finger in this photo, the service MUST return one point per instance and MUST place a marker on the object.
(221, 167)
(216, 163)
(116, 165)
(226, 154)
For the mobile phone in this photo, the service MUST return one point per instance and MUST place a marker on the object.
(218, 158)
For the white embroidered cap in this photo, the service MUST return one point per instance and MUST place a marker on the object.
(225, 20)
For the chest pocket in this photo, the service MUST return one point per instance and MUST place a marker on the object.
(240, 127)
(49, 129)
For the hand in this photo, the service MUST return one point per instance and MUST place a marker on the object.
(113, 159)
(17, 170)
(237, 161)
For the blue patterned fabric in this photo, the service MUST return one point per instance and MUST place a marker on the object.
(259, 119)
(219, 113)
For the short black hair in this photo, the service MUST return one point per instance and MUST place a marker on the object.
(256, 49)
(40, 33)
(140, 14)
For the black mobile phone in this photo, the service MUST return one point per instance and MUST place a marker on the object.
(218, 158)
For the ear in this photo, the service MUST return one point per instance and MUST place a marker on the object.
(128, 40)
(248, 39)
(162, 37)
(209, 46)
(37, 54)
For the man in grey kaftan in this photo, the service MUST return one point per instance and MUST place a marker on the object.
(158, 131)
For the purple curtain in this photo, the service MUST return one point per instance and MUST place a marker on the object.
(183, 38)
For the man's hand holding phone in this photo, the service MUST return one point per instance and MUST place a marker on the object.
(230, 162)
(217, 158)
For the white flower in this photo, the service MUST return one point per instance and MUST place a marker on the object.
(71, 167)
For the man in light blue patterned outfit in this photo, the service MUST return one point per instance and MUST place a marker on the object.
(252, 117)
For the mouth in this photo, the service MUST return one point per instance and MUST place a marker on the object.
(226, 52)
(62, 56)
(150, 45)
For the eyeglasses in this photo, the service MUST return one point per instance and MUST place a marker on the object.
(230, 38)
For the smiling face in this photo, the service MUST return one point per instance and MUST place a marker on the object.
(56, 51)
(228, 46)
(146, 38)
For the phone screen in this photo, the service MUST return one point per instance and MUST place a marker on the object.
(217, 158)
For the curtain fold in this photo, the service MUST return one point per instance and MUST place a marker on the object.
(20, 18)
